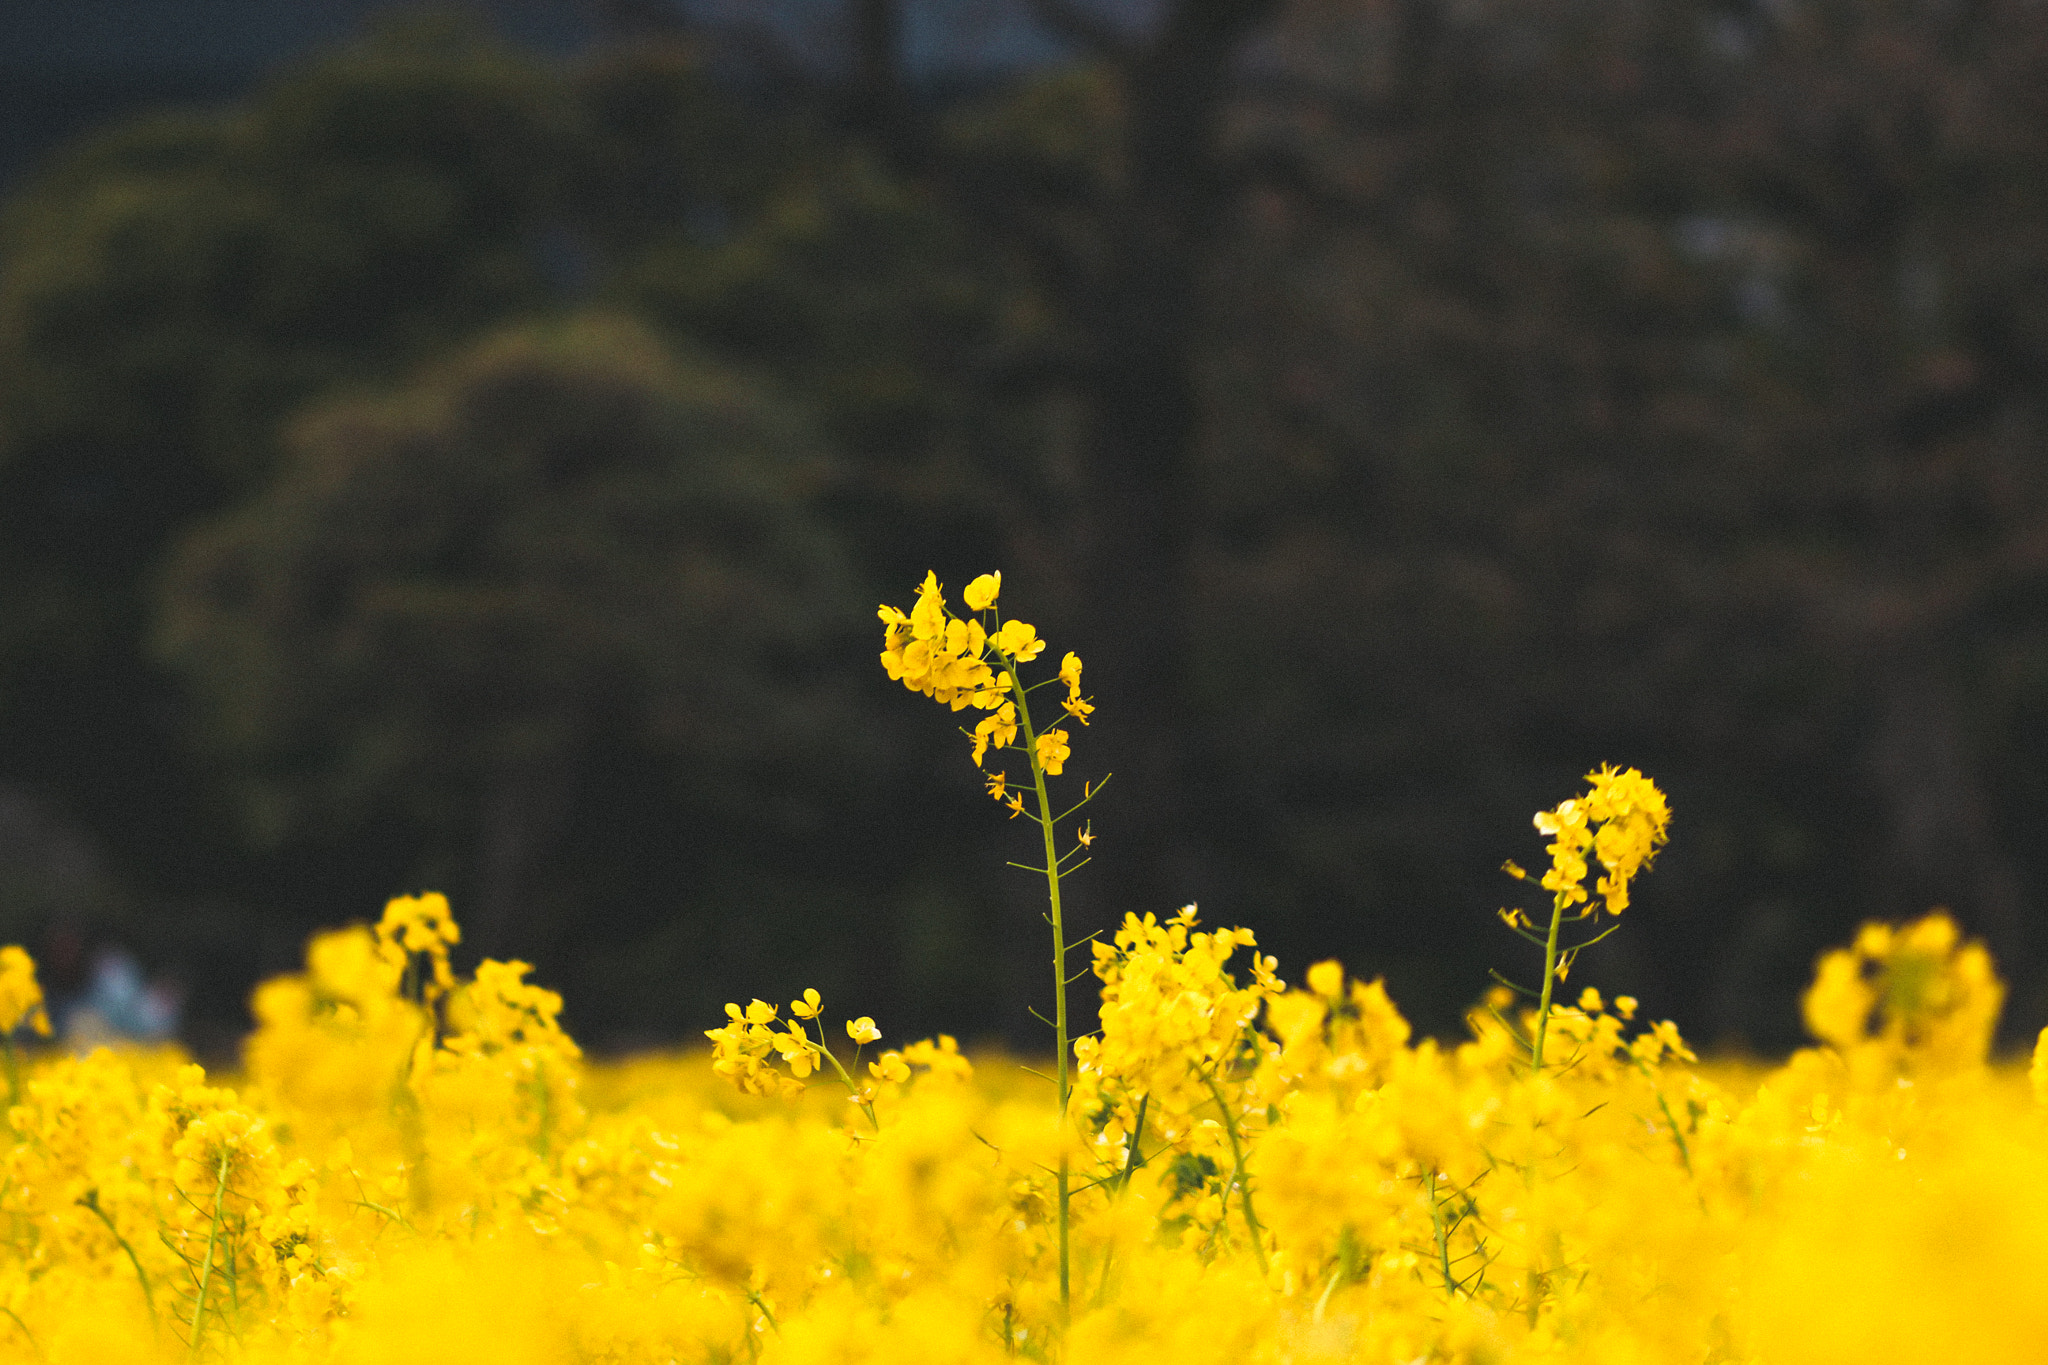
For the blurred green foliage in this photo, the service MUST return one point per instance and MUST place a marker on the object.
(449, 467)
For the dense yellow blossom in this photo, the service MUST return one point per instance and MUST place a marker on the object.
(420, 1166)
(21, 999)
(964, 663)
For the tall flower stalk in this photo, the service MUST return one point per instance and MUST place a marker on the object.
(976, 661)
(1622, 820)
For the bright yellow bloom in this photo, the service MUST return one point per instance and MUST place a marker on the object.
(1570, 839)
(1622, 819)
(799, 1053)
(1916, 991)
(1258, 1174)
(999, 729)
(940, 1058)
(950, 660)
(928, 613)
(21, 999)
(931, 652)
(1070, 674)
(862, 1030)
(982, 592)
(806, 1008)
(740, 1050)
(1633, 817)
(1019, 641)
(416, 930)
(1327, 979)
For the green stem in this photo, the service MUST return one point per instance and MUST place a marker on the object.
(220, 1191)
(1678, 1137)
(867, 1106)
(33, 1344)
(91, 1200)
(1132, 1160)
(1059, 961)
(1237, 1175)
(1443, 1238)
(1549, 980)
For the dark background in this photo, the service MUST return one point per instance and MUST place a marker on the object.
(463, 449)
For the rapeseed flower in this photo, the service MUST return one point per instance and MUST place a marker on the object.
(1263, 1173)
(419, 1165)
(21, 998)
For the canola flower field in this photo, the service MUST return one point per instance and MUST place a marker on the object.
(416, 1165)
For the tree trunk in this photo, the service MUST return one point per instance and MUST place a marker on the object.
(1144, 323)
(524, 819)
(1943, 846)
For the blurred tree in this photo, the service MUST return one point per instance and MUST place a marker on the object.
(1885, 209)
(1417, 403)
(1469, 394)
(173, 290)
(168, 291)
(1108, 185)
(447, 597)
(1653, 382)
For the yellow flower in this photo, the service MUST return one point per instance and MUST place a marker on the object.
(798, 1052)
(20, 997)
(1633, 817)
(1053, 751)
(1019, 641)
(420, 925)
(1570, 837)
(999, 729)
(806, 1008)
(931, 652)
(1070, 674)
(981, 593)
(999, 786)
(862, 1030)
(1327, 979)
(928, 614)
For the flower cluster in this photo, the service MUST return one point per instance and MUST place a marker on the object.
(1175, 1024)
(1622, 820)
(420, 928)
(21, 999)
(967, 663)
(1898, 994)
(745, 1049)
(421, 1168)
